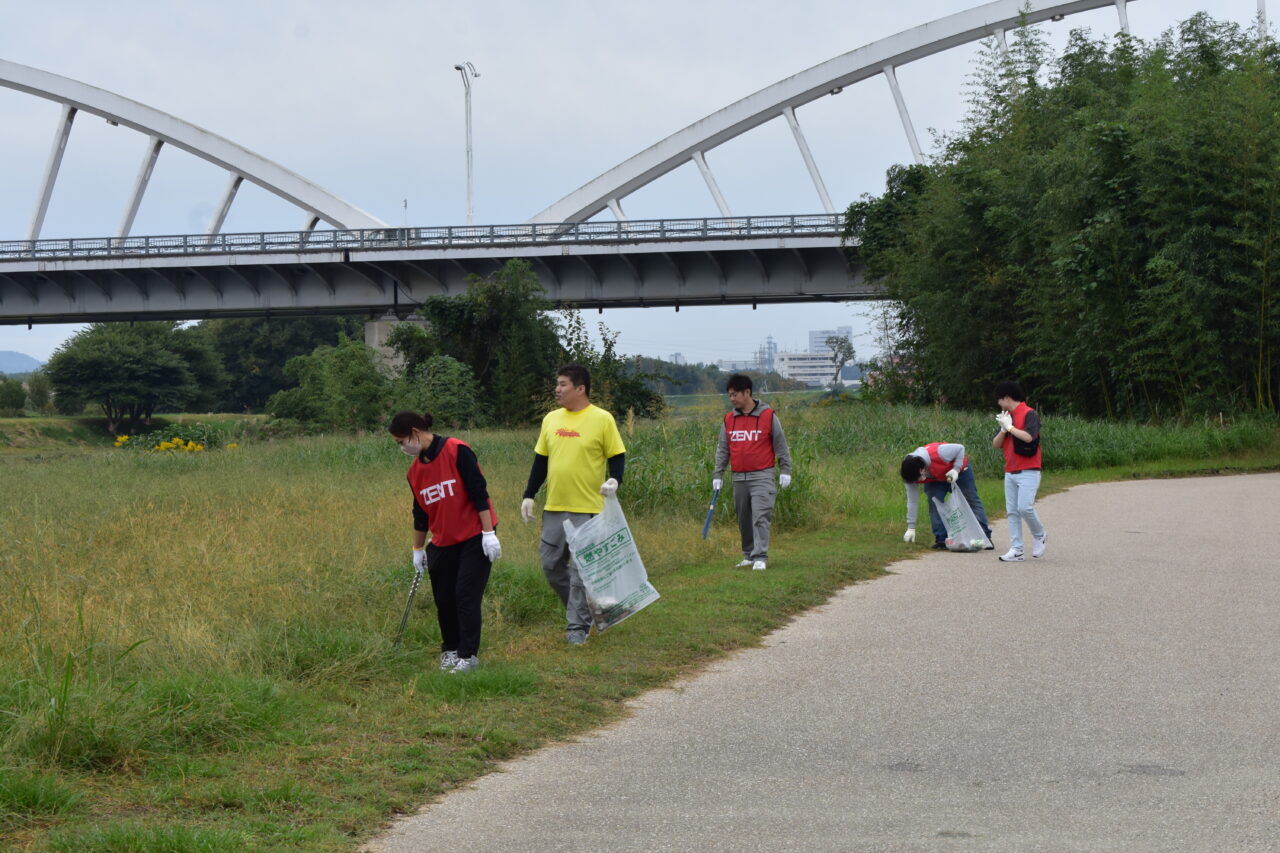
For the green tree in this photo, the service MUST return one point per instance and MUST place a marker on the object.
(12, 397)
(618, 385)
(841, 354)
(443, 386)
(344, 388)
(255, 351)
(1104, 228)
(131, 370)
(502, 329)
(40, 391)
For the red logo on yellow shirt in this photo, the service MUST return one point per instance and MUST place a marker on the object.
(568, 433)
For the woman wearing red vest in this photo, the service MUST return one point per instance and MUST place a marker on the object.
(936, 466)
(1019, 438)
(451, 502)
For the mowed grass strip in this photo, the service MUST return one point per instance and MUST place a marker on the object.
(195, 650)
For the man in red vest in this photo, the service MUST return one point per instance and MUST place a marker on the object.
(937, 466)
(1019, 438)
(752, 443)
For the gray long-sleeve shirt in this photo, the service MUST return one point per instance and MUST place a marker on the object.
(781, 452)
(953, 453)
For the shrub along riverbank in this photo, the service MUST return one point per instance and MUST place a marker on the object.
(195, 649)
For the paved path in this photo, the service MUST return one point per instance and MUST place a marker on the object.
(1121, 693)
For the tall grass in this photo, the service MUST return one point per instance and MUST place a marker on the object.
(165, 607)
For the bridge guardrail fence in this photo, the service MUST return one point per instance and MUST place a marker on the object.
(453, 236)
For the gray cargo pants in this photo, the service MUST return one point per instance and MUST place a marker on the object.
(559, 568)
(753, 499)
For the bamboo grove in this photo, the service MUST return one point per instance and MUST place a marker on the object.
(1103, 227)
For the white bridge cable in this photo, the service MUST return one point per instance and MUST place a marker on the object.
(808, 160)
(140, 186)
(895, 51)
(711, 184)
(51, 169)
(75, 96)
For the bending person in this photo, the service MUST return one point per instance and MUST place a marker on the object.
(451, 502)
(935, 467)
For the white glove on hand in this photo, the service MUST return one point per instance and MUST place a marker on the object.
(490, 545)
(910, 535)
(784, 480)
(526, 510)
(952, 476)
(717, 484)
(419, 559)
(1005, 420)
(609, 487)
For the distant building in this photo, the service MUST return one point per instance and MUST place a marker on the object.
(812, 368)
(763, 361)
(676, 358)
(818, 338)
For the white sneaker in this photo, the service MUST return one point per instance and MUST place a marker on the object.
(745, 564)
(1037, 545)
(1012, 556)
(758, 565)
(466, 664)
(448, 660)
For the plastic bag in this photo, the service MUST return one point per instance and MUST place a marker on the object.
(605, 555)
(964, 533)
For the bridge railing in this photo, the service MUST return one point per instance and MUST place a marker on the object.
(453, 236)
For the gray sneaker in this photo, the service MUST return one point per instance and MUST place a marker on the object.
(448, 660)
(466, 665)
(576, 638)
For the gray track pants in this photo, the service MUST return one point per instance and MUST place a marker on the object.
(560, 571)
(753, 500)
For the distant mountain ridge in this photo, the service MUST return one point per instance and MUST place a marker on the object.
(17, 362)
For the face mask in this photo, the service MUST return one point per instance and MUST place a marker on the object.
(411, 448)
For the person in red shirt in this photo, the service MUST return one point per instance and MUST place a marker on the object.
(1019, 439)
(451, 502)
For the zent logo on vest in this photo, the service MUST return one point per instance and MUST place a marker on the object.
(437, 492)
(745, 434)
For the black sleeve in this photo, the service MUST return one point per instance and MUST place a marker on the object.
(419, 514)
(1032, 423)
(537, 475)
(472, 480)
(617, 465)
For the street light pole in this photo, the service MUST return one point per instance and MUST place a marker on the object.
(468, 71)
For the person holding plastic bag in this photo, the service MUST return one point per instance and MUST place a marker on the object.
(937, 467)
(1019, 438)
(578, 447)
(451, 502)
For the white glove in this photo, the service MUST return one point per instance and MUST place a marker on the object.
(419, 559)
(784, 480)
(489, 543)
(1005, 420)
(910, 535)
(717, 484)
(952, 475)
(526, 510)
(609, 487)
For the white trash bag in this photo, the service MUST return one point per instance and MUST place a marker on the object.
(964, 533)
(606, 557)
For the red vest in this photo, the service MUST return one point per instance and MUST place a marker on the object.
(451, 515)
(750, 440)
(938, 467)
(1012, 461)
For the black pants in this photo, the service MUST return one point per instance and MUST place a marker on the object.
(459, 573)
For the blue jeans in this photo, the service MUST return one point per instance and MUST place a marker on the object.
(1020, 502)
(969, 488)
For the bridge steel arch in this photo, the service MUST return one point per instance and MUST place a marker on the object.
(165, 129)
(827, 78)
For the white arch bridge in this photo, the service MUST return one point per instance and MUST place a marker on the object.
(366, 265)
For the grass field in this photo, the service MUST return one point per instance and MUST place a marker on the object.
(195, 648)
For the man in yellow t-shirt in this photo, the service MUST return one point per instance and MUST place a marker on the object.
(577, 443)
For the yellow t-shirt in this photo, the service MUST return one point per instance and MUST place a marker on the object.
(576, 445)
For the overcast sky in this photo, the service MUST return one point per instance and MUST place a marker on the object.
(362, 99)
